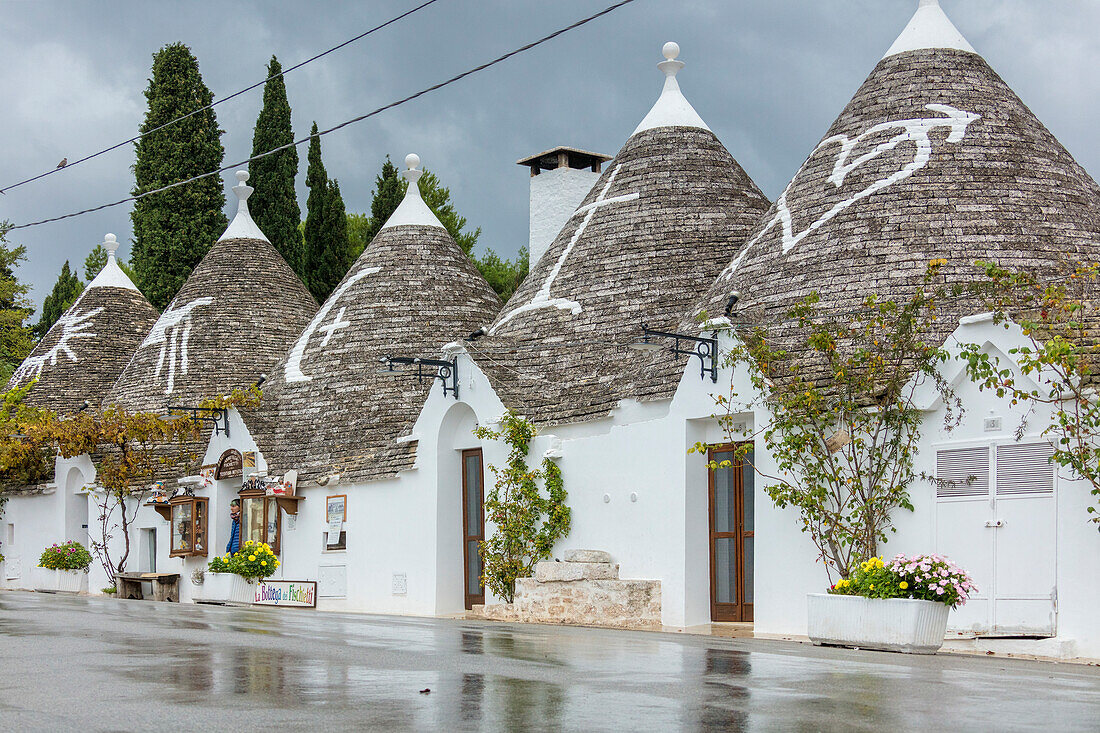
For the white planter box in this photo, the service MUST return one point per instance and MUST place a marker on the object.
(65, 581)
(72, 581)
(226, 588)
(895, 624)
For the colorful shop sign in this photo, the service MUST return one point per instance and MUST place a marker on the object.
(297, 593)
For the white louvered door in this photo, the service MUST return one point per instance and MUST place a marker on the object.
(995, 517)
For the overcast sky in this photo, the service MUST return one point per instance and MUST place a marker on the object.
(768, 76)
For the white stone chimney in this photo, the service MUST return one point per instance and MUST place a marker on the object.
(560, 179)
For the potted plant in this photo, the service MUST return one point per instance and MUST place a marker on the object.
(899, 606)
(232, 578)
(69, 562)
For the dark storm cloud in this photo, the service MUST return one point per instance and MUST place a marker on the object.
(768, 76)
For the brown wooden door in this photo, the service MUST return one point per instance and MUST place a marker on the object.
(731, 535)
(473, 525)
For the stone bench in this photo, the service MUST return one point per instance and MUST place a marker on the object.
(166, 586)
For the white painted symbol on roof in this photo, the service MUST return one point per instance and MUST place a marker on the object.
(916, 131)
(542, 298)
(293, 370)
(172, 332)
(73, 326)
(337, 322)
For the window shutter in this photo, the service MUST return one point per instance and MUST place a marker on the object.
(1025, 468)
(962, 472)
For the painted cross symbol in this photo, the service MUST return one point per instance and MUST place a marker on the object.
(337, 322)
(293, 370)
(542, 298)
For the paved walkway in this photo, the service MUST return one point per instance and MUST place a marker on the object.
(69, 663)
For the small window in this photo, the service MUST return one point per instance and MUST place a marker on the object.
(1025, 469)
(962, 472)
(189, 524)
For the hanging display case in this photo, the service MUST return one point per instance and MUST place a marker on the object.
(260, 517)
(189, 515)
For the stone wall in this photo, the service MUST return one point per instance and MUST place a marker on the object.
(583, 590)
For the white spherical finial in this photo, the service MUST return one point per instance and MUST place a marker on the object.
(671, 50)
(412, 160)
(242, 176)
(110, 243)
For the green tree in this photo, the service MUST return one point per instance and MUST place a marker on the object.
(843, 441)
(389, 189)
(274, 205)
(327, 256)
(95, 262)
(359, 226)
(16, 336)
(503, 275)
(175, 228)
(65, 292)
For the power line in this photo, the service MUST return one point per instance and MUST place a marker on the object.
(342, 125)
(299, 65)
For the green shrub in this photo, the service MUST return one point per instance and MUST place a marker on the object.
(923, 577)
(255, 560)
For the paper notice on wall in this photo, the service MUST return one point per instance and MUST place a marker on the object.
(334, 531)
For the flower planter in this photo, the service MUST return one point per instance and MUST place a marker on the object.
(72, 581)
(226, 588)
(894, 625)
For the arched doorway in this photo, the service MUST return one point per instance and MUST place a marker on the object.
(461, 517)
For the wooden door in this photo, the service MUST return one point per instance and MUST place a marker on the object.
(473, 525)
(731, 535)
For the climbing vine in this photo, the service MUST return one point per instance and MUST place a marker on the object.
(526, 521)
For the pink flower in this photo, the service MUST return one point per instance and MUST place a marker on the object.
(939, 591)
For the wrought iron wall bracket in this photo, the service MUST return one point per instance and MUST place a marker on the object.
(216, 416)
(704, 348)
(445, 371)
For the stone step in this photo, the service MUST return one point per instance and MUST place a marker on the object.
(550, 571)
(587, 556)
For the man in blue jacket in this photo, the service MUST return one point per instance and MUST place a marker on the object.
(234, 545)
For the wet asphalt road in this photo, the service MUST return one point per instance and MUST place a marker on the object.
(69, 663)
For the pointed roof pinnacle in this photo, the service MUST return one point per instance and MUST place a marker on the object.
(671, 109)
(929, 28)
(242, 226)
(412, 211)
(111, 276)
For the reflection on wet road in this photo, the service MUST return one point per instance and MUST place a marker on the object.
(102, 664)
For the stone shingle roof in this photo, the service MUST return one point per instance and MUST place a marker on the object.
(656, 228)
(85, 351)
(934, 157)
(327, 408)
(232, 320)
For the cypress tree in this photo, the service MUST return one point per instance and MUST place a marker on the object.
(65, 292)
(16, 337)
(175, 228)
(326, 253)
(274, 205)
(389, 189)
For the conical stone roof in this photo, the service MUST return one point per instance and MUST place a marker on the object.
(85, 351)
(327, 408)
(934, 157)
(232, 320)
(654, 231)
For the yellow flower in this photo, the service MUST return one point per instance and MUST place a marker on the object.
(903, 585)
(872, 586)
(252, 558)
(263, 562)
